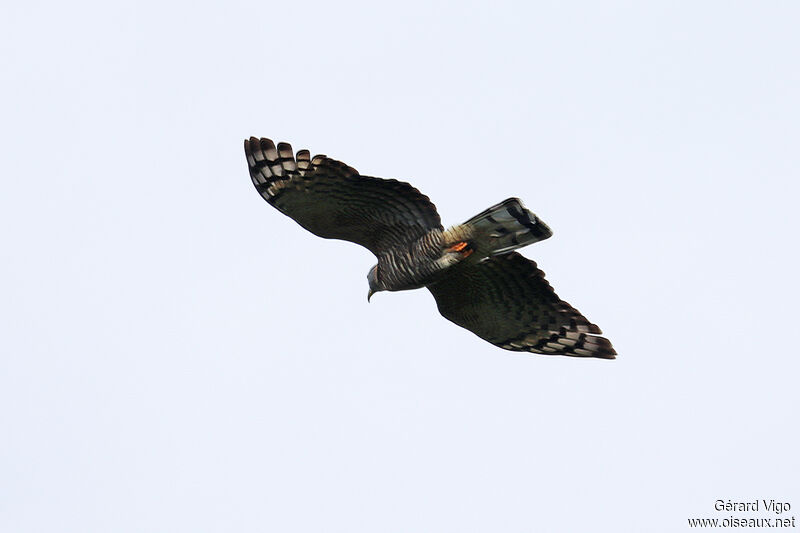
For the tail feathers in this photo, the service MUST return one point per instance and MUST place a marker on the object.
(505, 227)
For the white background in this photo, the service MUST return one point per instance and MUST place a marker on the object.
(179, 356)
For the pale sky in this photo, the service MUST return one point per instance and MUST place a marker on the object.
(178, 356)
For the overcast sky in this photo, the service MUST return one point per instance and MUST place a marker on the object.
(177, 356)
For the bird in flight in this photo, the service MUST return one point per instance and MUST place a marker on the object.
(472, 269)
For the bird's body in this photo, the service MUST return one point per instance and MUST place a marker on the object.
(416, 266)
(478, 280)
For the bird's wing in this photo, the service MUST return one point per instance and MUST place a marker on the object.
(331, 199)
(506, 300)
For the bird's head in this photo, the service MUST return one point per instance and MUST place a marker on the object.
(374, 283)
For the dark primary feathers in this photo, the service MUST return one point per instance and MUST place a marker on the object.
(505, 300)
(331, 199)
(478, 280)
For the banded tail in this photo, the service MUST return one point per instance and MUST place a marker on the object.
(503, 227)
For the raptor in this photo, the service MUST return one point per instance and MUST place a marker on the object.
(472, 269)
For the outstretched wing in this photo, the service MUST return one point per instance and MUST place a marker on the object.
(506, 300)
(331, 200)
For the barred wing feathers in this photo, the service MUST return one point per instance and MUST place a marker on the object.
(506, 300)
(331, 199)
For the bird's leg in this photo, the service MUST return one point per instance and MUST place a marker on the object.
(462, 247)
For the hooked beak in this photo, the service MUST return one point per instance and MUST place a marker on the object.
(369, 294)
